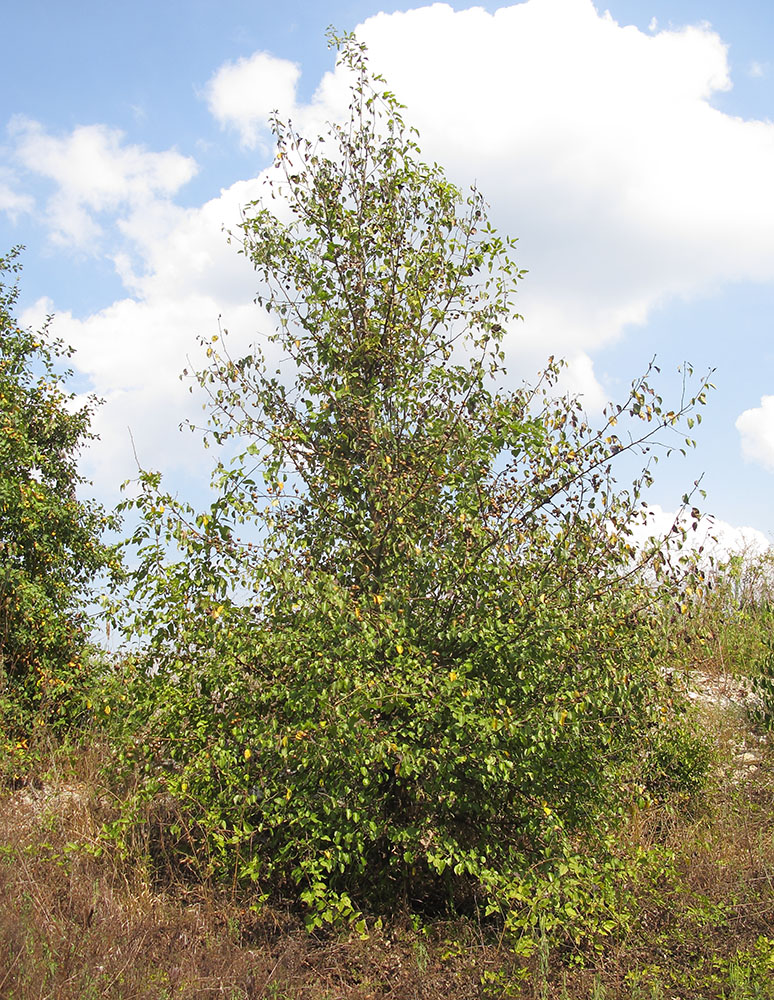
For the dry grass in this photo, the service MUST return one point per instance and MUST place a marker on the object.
(77, 921)
(695, 930)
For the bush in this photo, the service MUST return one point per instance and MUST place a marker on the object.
(678, 760)
(435, 666)
(50, 548)
(762, 712)
(732, 614)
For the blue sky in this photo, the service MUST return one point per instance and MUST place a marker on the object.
(632, 152)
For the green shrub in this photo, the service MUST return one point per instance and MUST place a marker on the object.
(430, 676)
(50, 548)
(732, 614)
(678, 759)
(762, 711)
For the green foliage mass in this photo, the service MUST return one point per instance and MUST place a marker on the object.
(433, 675)
(50, 548)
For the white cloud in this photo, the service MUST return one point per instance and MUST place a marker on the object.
(12, 202)
(95, 173)
(717, 539)
(243, 94)
(595, 143)
(756, 429)
(757, 70)
(133, 351)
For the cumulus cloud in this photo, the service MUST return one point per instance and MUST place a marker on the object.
(193, 284)
(95, 172)
(756, 429)
(12, 202)
(716, 539)
(596, 143)
(134, 352)
(243, 94)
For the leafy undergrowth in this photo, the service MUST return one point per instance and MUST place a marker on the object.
(77, 920)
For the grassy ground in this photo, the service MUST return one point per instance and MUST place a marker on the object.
(78, 921)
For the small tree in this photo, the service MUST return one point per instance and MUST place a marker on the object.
(445, 669)
(50, 549)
